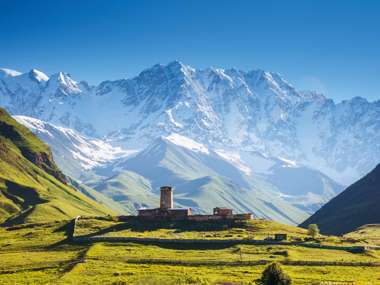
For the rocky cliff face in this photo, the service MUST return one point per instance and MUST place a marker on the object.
(29, 146)
(45, 161)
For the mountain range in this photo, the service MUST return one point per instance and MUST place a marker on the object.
(251, 134)
(255, 110)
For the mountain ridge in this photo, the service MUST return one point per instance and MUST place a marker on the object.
(254, 110)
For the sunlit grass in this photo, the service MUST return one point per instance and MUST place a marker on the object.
(254, 229)
(37, 254)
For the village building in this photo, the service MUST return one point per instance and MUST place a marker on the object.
(166, 211)
(222, 211)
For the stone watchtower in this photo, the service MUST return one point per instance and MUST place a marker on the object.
(166, 199)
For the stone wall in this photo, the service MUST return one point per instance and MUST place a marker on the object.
(205, 218)
(165, 214)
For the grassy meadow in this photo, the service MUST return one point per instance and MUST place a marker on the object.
(40, 254)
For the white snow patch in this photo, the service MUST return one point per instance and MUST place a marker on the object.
(9, 72)
(39, 75)
(33, 124)
(187, 143)
(89, 152)
(235, 159)
(289, 163)
(170, 115)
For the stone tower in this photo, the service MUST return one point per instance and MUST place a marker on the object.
(166, 199)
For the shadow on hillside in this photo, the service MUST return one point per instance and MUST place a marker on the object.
(24, 197)
(187, 246)
(178, 226)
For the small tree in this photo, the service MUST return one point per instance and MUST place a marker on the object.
(313, 230)
(274, 275)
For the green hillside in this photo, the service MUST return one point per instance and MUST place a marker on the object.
(367, 233)
(36, 254)
(98, 197)
(128, 190)
(356, 206)
(32, 188)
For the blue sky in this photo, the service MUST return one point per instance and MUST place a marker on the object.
(330, 46)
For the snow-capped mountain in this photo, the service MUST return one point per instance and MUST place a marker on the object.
(255, 111)
(246, 181)
(74, 153)
(203, 179)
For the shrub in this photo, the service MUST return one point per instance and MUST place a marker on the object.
(313, 230)
(274, 275)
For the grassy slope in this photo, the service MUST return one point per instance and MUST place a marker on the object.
(99, 197)
(33, 254)
(367, 233)
(257, 229)
(31, 186)
(130, 190)
(356, 206)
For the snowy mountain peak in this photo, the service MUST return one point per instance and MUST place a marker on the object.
(5, 72)
(37, 75)
(266, 80)
(174, 69)
(175, 64)
(62, 77)
(64, 83)
(178, 65)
